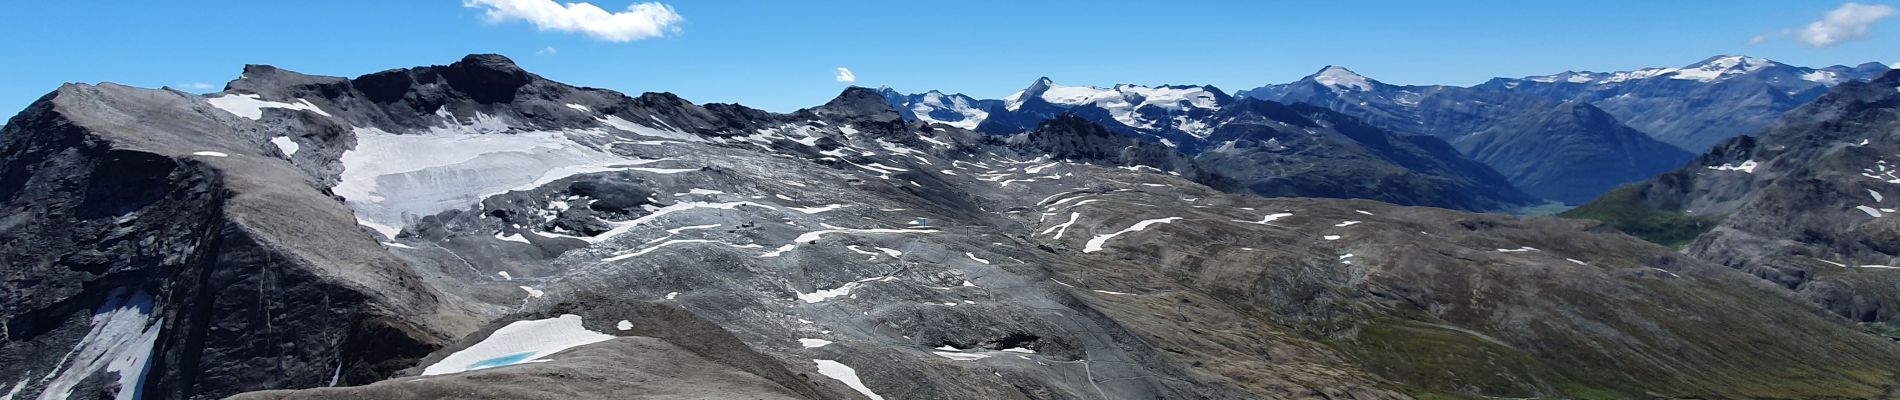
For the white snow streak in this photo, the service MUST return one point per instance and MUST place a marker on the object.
(1096, 243)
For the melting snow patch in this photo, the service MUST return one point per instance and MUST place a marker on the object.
(284, 144)
(512, 237)
(1330, 237)
(813, 343)
(1113, 292)
(1347, 223)
(580, 108)
(1573, 260)
(624, 227)
(210, 154)
(691, 227)
(672, 295)
(643, 130)
(960, 356)
(120, 342)
(845, 374)
(519, 342)
(1517, 250)
(1096, 243)
(1876, 195)
(828, 294)
(815, 210)
(1870, 211)
(388, 177)
(1880, 266)
(249, 106)
(809, 237)
(623, 325)
(778, 251)
(1362, 212)
(973, 257)
(644, 251)
(1267, 219)
(1745, 166)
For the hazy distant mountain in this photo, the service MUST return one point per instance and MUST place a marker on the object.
(1558, 150)
(1267, 148)
(1698, 105)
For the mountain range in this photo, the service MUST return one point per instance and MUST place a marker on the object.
(474, 230)
(1548, 136)
(1699, 105)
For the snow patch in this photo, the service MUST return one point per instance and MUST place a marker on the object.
(845, 374)
(1745, 166)
(520, 342)
(119, 342)
(819, 209)
(827, 294)
(284, 144)
(1096, 243)
(1269, 218)
(250, 106)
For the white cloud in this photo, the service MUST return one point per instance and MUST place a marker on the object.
(546, 50)
(1845, 24)
(845, 75)
(639, 21)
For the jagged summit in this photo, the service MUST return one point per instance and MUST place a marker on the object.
(862, 105)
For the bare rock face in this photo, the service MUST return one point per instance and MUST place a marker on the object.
(475, 231)
(159, 242)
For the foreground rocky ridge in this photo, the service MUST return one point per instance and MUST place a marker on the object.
(651, 246)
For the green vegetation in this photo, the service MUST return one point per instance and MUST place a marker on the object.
(1624, 210)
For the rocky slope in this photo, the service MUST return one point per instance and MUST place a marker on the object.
(1559, 150)
(1698, 105)
(1803, 206)
(520, 238)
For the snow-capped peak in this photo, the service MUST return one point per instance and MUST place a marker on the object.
(1121, 101)
(1720, 67)
(1568, 77)
(1340, 78)
(935, 106)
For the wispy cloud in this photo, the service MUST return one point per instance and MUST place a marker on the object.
(639, 21)
(1847, 23)
(196, 86)
(547, 51)
(845, 75)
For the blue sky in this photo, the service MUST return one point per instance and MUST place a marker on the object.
(782, 55)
